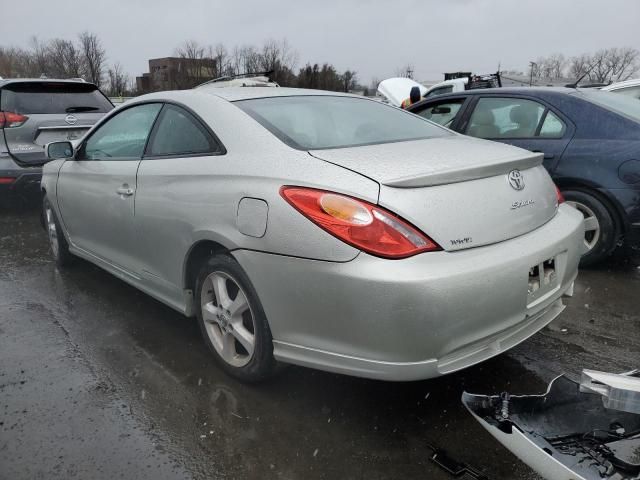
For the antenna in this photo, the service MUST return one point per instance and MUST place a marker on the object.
(575, 84)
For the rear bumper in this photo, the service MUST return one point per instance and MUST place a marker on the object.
(26, 183)
(415, 318)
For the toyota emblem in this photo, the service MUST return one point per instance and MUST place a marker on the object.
(70, 119)
(516, 180)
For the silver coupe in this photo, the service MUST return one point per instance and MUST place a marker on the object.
(317, 228)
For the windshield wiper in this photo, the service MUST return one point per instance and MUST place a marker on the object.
(81, 108)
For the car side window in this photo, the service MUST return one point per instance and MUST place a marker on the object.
(505, 118)
(552, 127)
(123, 136)
(442, 113)
(178, 132)
(439, 91)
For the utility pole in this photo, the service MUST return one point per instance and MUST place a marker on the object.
(531, 65)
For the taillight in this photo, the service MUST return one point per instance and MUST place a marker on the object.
(10, 119)
(363, 225)
(6, 180)
(559, 196)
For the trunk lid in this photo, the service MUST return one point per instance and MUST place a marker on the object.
(457, 190)
(54, 111)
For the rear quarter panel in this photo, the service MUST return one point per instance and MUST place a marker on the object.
(182, 201)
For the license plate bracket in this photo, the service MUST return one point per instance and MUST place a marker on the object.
(543, 278)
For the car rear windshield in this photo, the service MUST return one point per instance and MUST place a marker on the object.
(324, 121)
(629, 107)
(50, 97)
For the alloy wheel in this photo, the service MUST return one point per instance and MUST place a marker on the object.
(591, 224)
(52, 231)
(228, 319)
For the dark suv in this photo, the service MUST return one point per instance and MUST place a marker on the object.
(34, 112)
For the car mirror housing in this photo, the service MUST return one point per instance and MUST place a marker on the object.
(55, 150)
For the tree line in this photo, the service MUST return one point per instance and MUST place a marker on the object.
(277, 57)
(604, 66)
(84, 57)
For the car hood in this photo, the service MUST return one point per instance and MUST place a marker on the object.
(396, 90)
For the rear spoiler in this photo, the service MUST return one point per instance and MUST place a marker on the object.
(457, 174)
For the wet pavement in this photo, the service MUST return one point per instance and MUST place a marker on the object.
(98, 380)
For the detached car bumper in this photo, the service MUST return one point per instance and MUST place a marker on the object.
(420, 317)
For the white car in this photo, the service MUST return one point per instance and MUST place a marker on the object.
(630, 88)
(396, 90)
(317, 228)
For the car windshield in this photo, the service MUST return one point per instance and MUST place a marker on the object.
(323, 121)
(621, 104)
(49, 97)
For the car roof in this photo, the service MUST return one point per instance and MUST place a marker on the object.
(518, 90)
(7, 81)
(233, 94)
(531, 91)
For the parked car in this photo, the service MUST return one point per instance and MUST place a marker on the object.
(591, 145)
(396, 90)
(630, 88)
(34, 112)
(316, 228)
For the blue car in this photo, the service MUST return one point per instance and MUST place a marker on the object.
(591, 145)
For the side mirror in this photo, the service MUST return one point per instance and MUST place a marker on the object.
(441, 110)
(56, 150)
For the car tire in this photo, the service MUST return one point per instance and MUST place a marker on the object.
(601, 231)
(58, 245)
(232, 320)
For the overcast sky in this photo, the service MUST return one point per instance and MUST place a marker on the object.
(374, 37)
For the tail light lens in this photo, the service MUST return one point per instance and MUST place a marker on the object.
(363, 225)
(559, 196)
(10, 119)
(7, 180)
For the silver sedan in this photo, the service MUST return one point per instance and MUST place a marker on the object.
(318, 229)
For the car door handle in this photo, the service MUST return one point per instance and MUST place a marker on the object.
(547, 156)
(125, 191)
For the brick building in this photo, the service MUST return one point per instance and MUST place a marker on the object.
(175, 73)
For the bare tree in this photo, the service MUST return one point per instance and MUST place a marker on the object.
(65, 58)
(600, 67)
(623, 63)
(556, 64)
(579, 65)
(349, 80)
(93, 57)
(118, 80)
(222, 60)
(38, 62)
(14, 62)
(406, 71)
(198, 64)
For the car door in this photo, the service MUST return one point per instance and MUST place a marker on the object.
(445, 112)
(174, 175)
(519, 121)
(96, 190)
